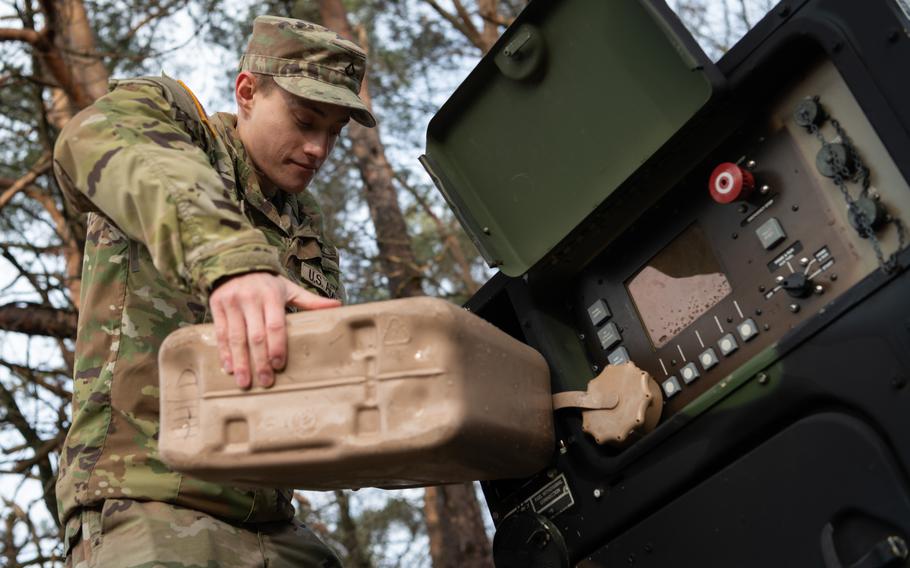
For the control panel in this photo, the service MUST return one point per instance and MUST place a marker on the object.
(752, 268)
(783, 217)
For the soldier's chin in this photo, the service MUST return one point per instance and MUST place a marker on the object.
(295, 183)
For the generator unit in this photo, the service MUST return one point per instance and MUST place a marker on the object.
(737, 231)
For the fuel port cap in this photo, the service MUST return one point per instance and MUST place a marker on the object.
(730, 182)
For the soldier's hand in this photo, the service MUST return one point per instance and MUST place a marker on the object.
(249, 316)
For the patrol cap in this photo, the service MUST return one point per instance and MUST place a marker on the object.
(309, 61)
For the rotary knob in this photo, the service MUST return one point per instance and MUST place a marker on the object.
(730, 182)
(797, 285)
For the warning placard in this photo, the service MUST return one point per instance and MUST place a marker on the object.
(550, 500)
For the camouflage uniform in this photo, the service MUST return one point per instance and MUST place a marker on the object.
(156, 535)
(175, 206)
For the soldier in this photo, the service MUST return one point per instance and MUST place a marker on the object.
(196, 218)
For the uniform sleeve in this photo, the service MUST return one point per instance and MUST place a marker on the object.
(128, 158)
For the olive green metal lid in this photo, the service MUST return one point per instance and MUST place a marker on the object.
(573, 98)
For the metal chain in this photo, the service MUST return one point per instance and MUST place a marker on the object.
(843, 176)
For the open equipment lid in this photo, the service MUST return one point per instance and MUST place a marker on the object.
(573, 98)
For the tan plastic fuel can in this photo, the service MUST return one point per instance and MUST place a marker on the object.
(398, 393)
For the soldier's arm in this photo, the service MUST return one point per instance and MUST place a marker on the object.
(127, 157)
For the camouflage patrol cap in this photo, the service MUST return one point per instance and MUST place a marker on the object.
(309, 61)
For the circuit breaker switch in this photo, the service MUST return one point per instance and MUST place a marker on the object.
(621, 402)
(730, 182)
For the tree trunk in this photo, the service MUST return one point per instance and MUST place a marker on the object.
(358, 556)
(455, 528)
(395, 253)
(454, 525)
(65, 54)
(74, 45)
(75, 41)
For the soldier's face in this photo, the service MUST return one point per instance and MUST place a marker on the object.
(288, 138)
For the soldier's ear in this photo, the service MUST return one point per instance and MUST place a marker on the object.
(244, 89)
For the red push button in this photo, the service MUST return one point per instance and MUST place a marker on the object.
(730, 182)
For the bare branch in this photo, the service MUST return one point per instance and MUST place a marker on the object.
(49, 249)
(497, 19)
(19, 34)
(465, 27)
(40, 167)
(162, 11)
(15, 417)
(40, 453)
(40, 378)
(34, 319)
(463, 13)
(744, 14)
(27, 275)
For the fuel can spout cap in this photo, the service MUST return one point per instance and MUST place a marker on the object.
(730, 182)
(621, 404)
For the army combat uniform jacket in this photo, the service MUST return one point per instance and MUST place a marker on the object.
(175, 205)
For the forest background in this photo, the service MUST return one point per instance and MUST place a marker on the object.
(396, 235)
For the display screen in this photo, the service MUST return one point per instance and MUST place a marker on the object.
(679, 284)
